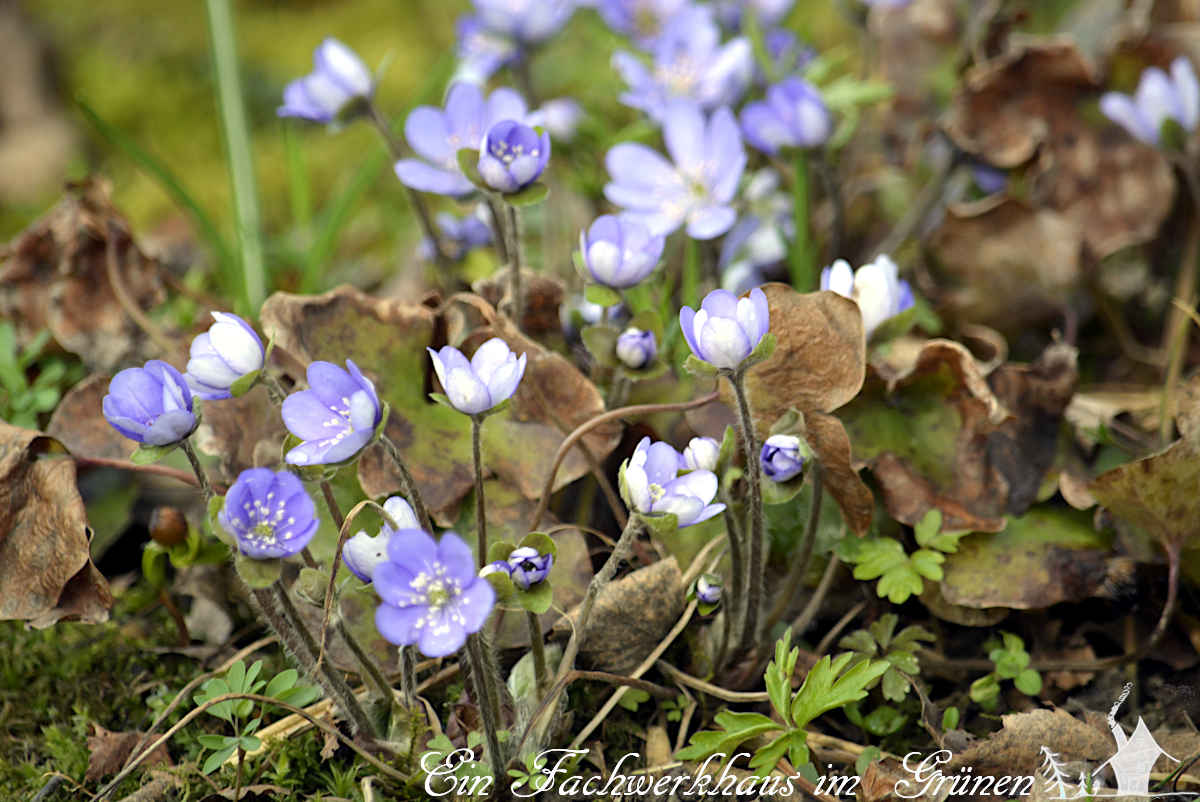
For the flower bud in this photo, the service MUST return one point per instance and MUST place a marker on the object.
(782, 457)
(701, 454)
(708, 589)
(512, 156)
(636, 348)
(220, 356)
(619, 251)
(528, 567)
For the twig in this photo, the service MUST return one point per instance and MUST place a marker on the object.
(921, 206)
(125, 465)
(842, 623)
(815, 601)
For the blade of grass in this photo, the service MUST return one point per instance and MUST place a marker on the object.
(299, 189)
(170, 183)
(336, 214)
(253, 288)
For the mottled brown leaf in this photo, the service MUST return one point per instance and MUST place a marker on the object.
(108, 751)
(828, 439)
(1157, 493)
(79, 423)
(543, 296)
(46, 571)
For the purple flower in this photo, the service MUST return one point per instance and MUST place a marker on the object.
(697, 189)
(270, 514)
(527, 21)
(438, 134)
(1158, 98)
(460, 235)
(335, 417)
(495, 568)
(229, 350)
(512, 156)
(339, 79)
(650, 486)
(726, 329)
(490, 377)
(877, 289)
(701, 454)
(758, 241)
(708, 589)
(782, 457)
(431, 595)
(769, 12)
(990, 180)
(619, 251)
(787, 53)
(151, 404)
(636, 348)
(641, 20)
(481, 51)
(689, 62)
(528, 567)
(560, 117)
(792, 116)
(363, 552)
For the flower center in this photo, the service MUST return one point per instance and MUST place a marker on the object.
(507, 152)
(657, 492)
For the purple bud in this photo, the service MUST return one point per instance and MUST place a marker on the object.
(701, 454)
(619, 251)
(636, 348)
(339, 78)
(150, 404)
(708, 589)
(782, 457)
(528, 567)
(229, 350)
(512, 156)
(793, 115)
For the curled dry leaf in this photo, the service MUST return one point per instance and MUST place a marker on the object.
(630, 617)
(108, 751)
(829, 441)
(78, 422)
(46, 570)
(1157, 493)
(387, 340)
(1016, 748)
(543, 297)
(54, 276)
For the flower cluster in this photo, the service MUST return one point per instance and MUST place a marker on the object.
(651, 485)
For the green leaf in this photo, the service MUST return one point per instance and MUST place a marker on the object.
(499, 551)
(632, 698)
(502, 583)
(735, 729)
(859, 641)
(601, 343)
(531, 195)
(698, 367)
(540, 541)
(778, 676)
(537, 599)
(244, 384)
(882, 629)
(884, 720)
(950, 718)
(865, 758)
(798, 748)
(929, 534)
(884, 559)
(301, 695)
(216, 759)
(985, 691)
(905, 661)
(250, 742)
(766, 757)
(895, 326)
(910, 635)
(895, 687)
(258, 574)
(215, 741)
(762, 351)
(154, 565)
(601, 295)
(1029, 682)
(824, 690)
(144, 454)
(928, 564)
(660, 526)
(283, 681)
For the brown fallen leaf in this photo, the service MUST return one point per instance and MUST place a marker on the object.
(1016, 748)
(829, 441)
(46, 570)
(108, 751)
(543, 297)
(54, 276)
(78, 422)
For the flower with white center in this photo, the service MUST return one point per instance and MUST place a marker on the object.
(490, 377)
(431, 593)
(363, 552)
(335, 417)
(229, 350)
(339, 79)
(726, 329)
(708, 589)
(269, 514)
(650, 485)
(877, 289)
(782, 457)
(701, 454)
(512, 156)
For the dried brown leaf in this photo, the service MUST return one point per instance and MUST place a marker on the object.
(79, 423)
(829, 441)
(543, 297)
(108, 751)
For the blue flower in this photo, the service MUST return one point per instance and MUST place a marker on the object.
(527, 21)
(459, 235)
(642, 20)
(432, 596)
(690, 63)
(877, 289)
(792, 116)
(1159, 98)
(758, 241)
(650, 485)
(636, 348)
(768, 12)
(475, 386)
(363, 552)
(726, 329)
(559, 116)
(481, 51)
(269, 514)
(150, 404)
(528, 567)
(335, 417)
(697, 189)
(437, 135)
(619, 252)
(782, 457)
(512, 156)
(339, 79)
(229, 350)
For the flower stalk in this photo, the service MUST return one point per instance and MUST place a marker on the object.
(795, 578)
(480, 511)
(186, 445)
(516, 259)
(407, 484)
(756, 546)
(487, 697)
(538, 649)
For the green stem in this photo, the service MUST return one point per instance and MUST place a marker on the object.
(237, 144)
(487, 698)
(756, 549)
(795, 577)
(237, 782)
(335, 511)
(512, 232)
(800, 259)
(198, 469)
(689, 285)
(408, 485)
(539, 652)
(496, 220)
(1178, 325)
(480, 513)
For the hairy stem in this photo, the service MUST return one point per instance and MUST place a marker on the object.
(197, 468)
(757, 546)
(331, 503)
(480, 514)
(735, 602)
(408, 485)
(539, 651)
(512, 231)
(487, 697)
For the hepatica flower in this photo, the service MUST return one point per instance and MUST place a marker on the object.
(877, 289)
(229, 350)
(650, 485)
(438, 134)
(708, 589)
(701, 454)
(459, 235)
(512, 156)
(792, 116)
(697, 189)
(641, 20)
(481, 51)
(527, 21)
(528, 567)
(335, 417)
(339, 78)
(151, 404)
(363, 552)
(619, 251)
(490, 377)
(636, 348)
(726, 329)
(1158, 98)
(431, 595)
(269, 514)
(782, 457)
(689, 62)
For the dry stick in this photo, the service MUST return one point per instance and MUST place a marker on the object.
(585, 427)
(408, 485)
(795, 577)
(921, 206)
(815, 601)
(842, 623)
(123, 298)
(254, 697)
(125, 465)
